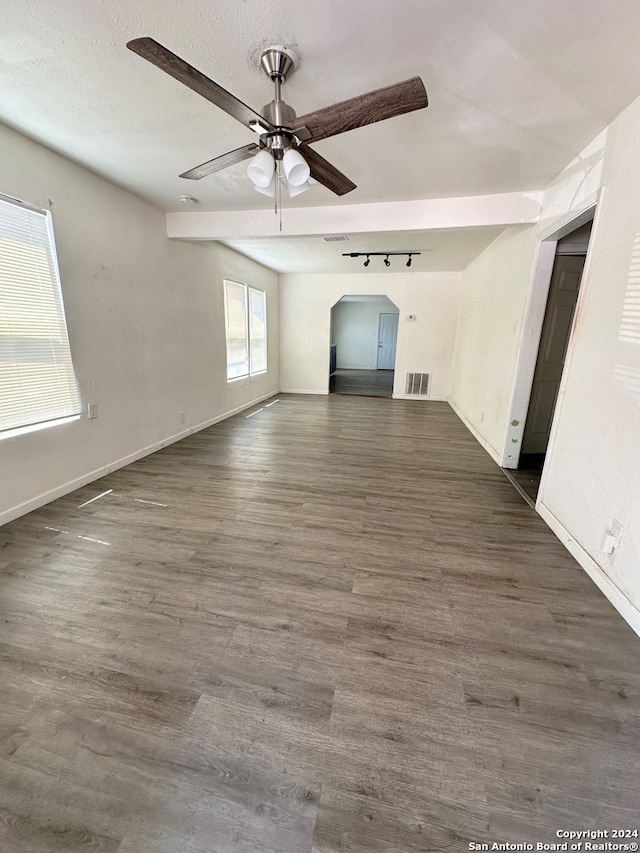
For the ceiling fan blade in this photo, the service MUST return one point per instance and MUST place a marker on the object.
(366, 109)
(326, 174)
(180, 70)
(221, 162)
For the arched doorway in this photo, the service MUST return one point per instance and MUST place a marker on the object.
(364, 330)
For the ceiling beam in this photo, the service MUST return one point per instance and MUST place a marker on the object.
(502, 209)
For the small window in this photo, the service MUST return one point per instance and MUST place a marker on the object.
(245, 311)
(37, 380)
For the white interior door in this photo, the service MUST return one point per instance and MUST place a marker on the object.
(387, 339)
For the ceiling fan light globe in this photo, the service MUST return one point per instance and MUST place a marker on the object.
(269, 191)
(294, 191)
(296, 168)
(261, 169)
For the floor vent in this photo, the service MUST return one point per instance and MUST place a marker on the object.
(339, 238)
(417, 384)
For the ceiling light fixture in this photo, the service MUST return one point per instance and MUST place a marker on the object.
(385, 255)
(296, 168)
(261, 169)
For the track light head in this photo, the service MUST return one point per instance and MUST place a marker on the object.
(409, 261)
(387, 262)
(367, 262)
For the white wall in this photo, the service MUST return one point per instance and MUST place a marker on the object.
(355, 332)
(425, 345)
(145, 318)
(494, 294)
(592, 473)
(592, 469)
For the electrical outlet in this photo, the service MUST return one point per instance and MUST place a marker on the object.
(92, 410)
(182, 417)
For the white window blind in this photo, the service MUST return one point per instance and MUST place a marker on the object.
(37, 381)
(258, 329)
(246, 329)
(236, 328)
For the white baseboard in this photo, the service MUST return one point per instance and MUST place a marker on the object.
(625, 608)
(474, 432)
(303, 391)
(70, 486)
(420, 397)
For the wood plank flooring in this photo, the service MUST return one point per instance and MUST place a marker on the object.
(364, 383)
(330, 626)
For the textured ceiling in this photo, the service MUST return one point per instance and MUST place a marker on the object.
(516, 89)
(446, 250)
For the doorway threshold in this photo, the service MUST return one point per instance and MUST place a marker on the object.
(518, 487)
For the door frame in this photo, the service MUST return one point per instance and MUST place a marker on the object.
(542, 268)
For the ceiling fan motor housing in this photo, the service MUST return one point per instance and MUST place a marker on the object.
(278, 61)
(279, 114)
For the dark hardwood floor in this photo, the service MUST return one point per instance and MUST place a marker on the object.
(330, 626)
(363, 383)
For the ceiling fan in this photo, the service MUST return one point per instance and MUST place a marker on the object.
(284, 137)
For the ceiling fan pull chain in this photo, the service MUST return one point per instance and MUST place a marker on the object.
(280, 191)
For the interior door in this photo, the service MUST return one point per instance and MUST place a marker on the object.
(387, 338)
(561, 305)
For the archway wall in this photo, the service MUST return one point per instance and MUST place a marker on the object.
(425, 344)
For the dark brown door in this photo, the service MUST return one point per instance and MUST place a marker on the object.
(561, 306)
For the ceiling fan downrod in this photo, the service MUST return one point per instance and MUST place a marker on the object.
(277, 63)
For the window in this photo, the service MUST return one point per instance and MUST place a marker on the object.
(245, 311)
(37, 382)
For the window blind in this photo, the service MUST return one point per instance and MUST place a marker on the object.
(236, 329)
(258, 329)
(37, 380)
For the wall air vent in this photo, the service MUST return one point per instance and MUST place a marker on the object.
(339, 238)
(417, 384)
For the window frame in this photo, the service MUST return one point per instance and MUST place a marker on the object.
(67, 406)
(247, 290)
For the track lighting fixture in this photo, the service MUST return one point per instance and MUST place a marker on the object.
(385, 255)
